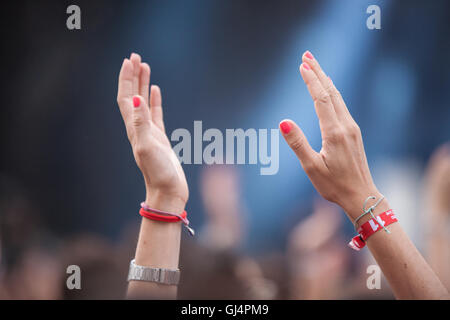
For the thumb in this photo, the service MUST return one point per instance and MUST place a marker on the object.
(299, 144)
(141, 117)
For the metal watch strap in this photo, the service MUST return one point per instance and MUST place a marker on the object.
(158, 275)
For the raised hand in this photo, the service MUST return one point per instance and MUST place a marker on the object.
(339, 171)
(164, 177)
(340, 174)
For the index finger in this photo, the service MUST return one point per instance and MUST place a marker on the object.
(125, 88)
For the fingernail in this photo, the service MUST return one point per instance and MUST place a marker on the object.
(136, 102)
(285, 127)
(309, 55)
(306, 66)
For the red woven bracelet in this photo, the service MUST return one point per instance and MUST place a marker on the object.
(370, 227)
(163, 216)
(159, 217)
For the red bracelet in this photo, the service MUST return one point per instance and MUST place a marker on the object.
(163, 216)
(370, 227)
(159, 217)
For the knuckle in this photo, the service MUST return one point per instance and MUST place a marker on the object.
(353, 131)
(120, 100)
(329, 88)
(141, 150)
(297, 145)
(335, 93)
(337, 135)
(356, 130)
(137, 120)
(323, 97)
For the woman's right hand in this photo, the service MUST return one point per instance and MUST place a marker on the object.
(164, 177)
(339, 172)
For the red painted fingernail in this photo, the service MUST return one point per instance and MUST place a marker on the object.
(306, 66)
(285, 127)
(309, 55)
(136, 102)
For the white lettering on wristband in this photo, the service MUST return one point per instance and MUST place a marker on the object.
(373, 225)
(376, 226)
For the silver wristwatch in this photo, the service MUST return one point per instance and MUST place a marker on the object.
(158, 275)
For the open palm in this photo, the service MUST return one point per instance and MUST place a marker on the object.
(145, 129)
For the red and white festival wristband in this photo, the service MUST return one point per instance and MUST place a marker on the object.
(163, 216)
(370, 227)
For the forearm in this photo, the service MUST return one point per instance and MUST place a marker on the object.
(407, 272)
(158, 247)
(405, 269)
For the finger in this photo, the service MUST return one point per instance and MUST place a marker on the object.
(299, 144)
(144, 81)
(156, 107)
(141, 121)
(336, 98)
(125, 89)
(335, 94)
(322, 100)
(136, 60)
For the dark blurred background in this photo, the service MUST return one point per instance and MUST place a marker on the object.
(66, 167)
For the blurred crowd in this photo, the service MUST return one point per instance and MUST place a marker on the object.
(315, 263)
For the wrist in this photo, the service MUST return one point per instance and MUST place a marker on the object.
(159, 242)
(165, 201)
(353, 207)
